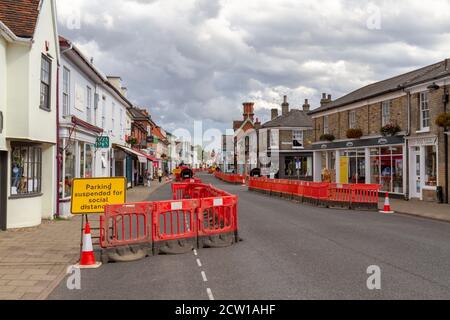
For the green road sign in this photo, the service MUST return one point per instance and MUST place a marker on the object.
(102, 143)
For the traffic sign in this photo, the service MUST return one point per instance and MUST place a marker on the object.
(102, 143)
(92, 195)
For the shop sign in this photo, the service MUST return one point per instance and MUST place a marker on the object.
(343, 170)
(92, 195)
(382, 141)
(324, 146)
(349, 144)
(102, 143)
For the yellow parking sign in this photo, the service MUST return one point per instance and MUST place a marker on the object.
(93, 194)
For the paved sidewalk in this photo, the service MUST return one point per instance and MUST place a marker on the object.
(33, 261)
(424, 209)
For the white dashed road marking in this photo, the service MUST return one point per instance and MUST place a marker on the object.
(210, 295)
(204, 276)
(199, 262)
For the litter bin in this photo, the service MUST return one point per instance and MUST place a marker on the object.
(440, 194)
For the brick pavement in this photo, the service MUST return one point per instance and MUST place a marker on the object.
(33, 261)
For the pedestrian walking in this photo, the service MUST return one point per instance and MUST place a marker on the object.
(148, 176)
(160, 175)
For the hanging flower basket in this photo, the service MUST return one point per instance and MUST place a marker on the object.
(327, 137)
(390, 130)
(443, 120)
(354, 133)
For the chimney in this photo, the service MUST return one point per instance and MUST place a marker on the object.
(306, 106)
(116, 82)
(325, 99)
(274, 113)
(285, 106)
(124, 91)
(249, 108)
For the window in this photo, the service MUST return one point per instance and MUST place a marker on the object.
(274, 140)
(45, 82)
(121, 125)
(386, 168)
(424, 111)
(326, 129)
(69, 168)
(104, 113)
(356, 165)
(385, 113)
(298, 167)
(297, 139)
(86, 160)
(430, 166)
(66, 91)
(113, 124)
(26, 170)
(89, 104)
(352, 119)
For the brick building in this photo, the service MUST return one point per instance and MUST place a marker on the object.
(409, 157)
(286, 139)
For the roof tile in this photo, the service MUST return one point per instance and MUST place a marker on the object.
(20, 16)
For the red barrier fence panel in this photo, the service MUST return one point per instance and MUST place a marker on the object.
(174, 220)
(125, 224)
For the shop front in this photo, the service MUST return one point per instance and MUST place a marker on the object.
(296, 166)
(367, 161)
(423, 173)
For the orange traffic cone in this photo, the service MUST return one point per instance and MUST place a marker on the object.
(387, 206)
(243, 182)
(87, 260)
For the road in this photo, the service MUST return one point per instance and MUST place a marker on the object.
(289, 251)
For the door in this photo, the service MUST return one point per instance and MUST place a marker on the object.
(3, 193)
(416, 182)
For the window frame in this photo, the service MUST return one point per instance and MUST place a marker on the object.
(33, 165)
(386, 117)
(352, 119)
(326, 128)
(424, 101)
(89, 104)
(302, 140)
(46, 59)
(66, 91)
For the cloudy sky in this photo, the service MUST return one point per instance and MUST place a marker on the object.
(192, 60)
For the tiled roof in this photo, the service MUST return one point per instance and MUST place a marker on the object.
(389, 85)
(20, 16)
(295, 118)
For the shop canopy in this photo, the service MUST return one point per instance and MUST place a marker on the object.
(142, 157)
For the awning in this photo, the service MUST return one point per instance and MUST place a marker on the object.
(147, 156)
(141, 157)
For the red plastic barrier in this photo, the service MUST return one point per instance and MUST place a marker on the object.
(231, 178)
(320, 192)
(125, 224)
(217, 215)
(174, 220)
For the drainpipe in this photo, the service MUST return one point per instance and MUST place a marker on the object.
(408, 133)
(58, 155)
(446, 98)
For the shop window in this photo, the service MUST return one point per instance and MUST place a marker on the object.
(424, 111)
(386, 168)
(26, 170)
(46, 73)
(357, 166)
(69, 168)
(298, 167)
(385, 113)
(430, 166)
(297, 139)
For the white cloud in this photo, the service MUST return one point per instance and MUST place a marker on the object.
(200, 59)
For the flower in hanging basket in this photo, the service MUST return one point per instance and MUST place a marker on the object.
(327, 137)
(443, 120)
(390, 129)
(132, 140)
(354, 133)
